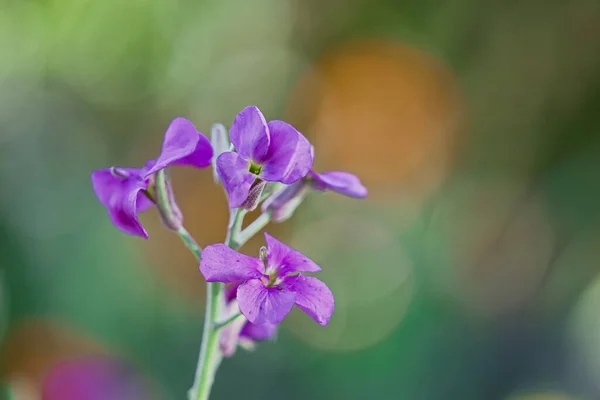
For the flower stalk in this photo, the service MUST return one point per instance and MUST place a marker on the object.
(210, 356)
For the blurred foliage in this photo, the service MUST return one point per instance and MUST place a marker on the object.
(470, 272)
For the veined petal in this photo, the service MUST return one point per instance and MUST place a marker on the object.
(230, 291)
(233, 171)
(123, 208)
(259, 332)
(313, 297)
(202, 155)
(264, 305)
(250, 135)
(105, 184)
(341, 182)
(181, 140)
(220, 263)
(285, 259)
(290, 156)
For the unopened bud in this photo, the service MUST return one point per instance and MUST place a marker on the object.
(219, 139)
(253, 198)
(283, 203)
(170, 214)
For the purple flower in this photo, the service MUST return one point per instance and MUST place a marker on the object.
(94, 378)
(273, 152)
(125, 191)
(241, 331)
(272, 284)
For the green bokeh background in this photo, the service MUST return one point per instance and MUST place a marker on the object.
(87, 84)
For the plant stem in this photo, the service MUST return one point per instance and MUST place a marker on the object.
(190, 243)
(217, 326)
(210, 355)
(252, 229)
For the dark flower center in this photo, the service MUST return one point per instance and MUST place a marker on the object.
(254, 168)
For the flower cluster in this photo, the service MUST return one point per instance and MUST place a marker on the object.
(127, 191)
(269, 162)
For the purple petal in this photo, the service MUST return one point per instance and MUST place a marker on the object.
(314, 298)
(105, 184)
(230, 334)
(182, 145)
(290, 156)
(230, 291)
(259, 332)
(123, 208)
(250, 135)
(233, 171)
(121, 197)
(286, 259)
(201, 157)
(264, 305)
(283, 203)
(219, 263)
(341, 182)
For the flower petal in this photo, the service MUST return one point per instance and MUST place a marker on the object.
(264, 305)
(250, 135)
(181, 140)
(230, 334)
(314, 298)
(259, 332)
(230, 291)
(202, 155)
(123, 208)
(233, 171)
(283, 202)
(105, 184)
(290, 156)
(286, 260)
(341, 182)
(220, 263)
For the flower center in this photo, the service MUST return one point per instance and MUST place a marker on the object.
(272, 280)
(254, 168)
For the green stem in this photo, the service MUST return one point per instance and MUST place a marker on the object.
(236, 218)
(252, 229)
(190, 243)
(219, 325)
(210, 355)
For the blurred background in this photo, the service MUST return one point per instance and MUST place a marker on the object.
(470, 271)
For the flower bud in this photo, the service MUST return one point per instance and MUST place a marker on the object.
(283, 203)
(253, 198)
(170, 214)
(219, 139)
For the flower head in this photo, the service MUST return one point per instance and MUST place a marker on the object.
(272, 152)
(241, 331)
(272, 283)
(125, 192)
